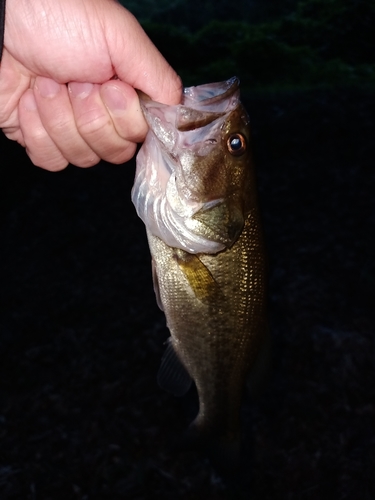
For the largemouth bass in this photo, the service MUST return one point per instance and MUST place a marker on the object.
(195, 191)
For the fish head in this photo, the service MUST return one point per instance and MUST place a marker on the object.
(204, 157)
(214, 168)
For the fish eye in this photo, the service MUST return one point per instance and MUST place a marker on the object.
(236, 144)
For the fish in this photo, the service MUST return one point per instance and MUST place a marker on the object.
(195, 190)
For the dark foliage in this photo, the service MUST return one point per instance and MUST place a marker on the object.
(319, 43)
(81, 337)
(195, 15)
(335, 29)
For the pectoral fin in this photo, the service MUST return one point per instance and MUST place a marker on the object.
(173, 376)
(198, 275)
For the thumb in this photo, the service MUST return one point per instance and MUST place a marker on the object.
(138, 62)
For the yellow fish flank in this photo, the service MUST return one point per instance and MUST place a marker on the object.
(195, 190)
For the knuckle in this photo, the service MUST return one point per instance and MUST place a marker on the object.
(94, 127)
(37, 136)
(85, 162)
(43, 152)
(52, 162)
(121, 155)
(59, 124)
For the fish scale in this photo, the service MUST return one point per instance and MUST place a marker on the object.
(214, 299)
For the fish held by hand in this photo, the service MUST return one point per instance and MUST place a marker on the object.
(195, 191)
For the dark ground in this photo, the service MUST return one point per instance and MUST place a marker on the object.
(81, 415)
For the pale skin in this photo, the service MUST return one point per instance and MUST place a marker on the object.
(58, 97)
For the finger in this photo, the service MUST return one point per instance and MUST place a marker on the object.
(124, 109)
(39, 145)
(57, 116)
(14, 134)
(95, 125)
(14, 82)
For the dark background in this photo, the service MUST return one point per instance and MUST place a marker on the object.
(81, 415)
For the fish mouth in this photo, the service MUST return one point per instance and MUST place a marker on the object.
(218, 221)
(199, 107)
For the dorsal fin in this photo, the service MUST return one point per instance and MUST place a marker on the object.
(173, 376)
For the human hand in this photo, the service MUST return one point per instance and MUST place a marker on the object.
(57, 95)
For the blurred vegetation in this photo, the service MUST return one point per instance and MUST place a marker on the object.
(195, 15)
(288, 44)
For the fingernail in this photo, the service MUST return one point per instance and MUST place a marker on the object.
(46, 87)
(80, 90)
(29, 102)
(113, 98)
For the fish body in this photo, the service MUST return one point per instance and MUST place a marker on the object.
(195, 191)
